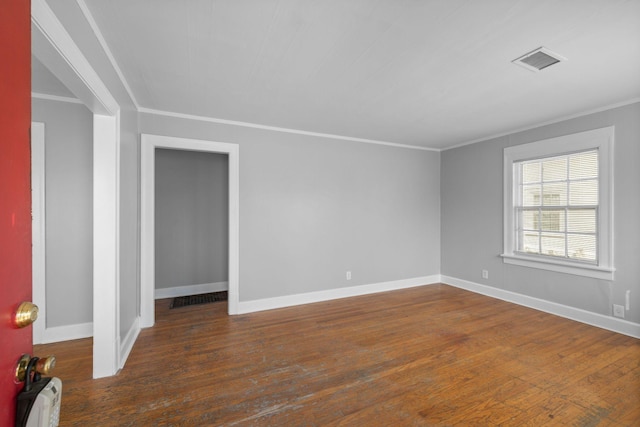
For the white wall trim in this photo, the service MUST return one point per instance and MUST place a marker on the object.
(67, 333)
(586, 270)
(128, 342)
(96, 30)
(149, 143)
(84, 330)
(331, 294)
(550, 122)
(90, 88)
(38, 210)
(182, 291)
(56, 98)
(594, 319)
(278, 129)
(106, 274)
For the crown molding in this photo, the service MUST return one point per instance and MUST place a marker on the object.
(550, 122)
(56, 98)
(278, 129)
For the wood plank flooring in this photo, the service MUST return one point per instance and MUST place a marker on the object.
(428, 356)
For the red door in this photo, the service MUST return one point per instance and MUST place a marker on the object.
(15, 193)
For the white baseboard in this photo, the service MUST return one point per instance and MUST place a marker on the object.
(311, 297)
(126, 345)
(66, 333)
(594, 319)
(181, 291)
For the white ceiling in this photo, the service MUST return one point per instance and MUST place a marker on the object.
(431, 73)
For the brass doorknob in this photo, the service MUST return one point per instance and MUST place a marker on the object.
(26, 314)
(21, 368)
(45, 365)
(28, 365)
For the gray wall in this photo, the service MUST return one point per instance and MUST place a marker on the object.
(191, 218)
(312, 208)
(69, 210)
(472, 227)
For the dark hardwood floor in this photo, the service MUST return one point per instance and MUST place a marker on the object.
(427, 356)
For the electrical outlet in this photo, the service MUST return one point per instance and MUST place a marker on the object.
(348, 275)
(485, 274)
(618, 310)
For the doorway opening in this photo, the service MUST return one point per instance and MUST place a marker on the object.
(191, 224)
(149, 146)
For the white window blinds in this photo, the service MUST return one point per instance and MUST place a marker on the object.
(556, 206)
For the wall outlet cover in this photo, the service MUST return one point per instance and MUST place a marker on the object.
(618, 310)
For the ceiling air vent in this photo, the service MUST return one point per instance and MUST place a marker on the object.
(539, 59)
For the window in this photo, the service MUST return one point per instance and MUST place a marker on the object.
(558, 204)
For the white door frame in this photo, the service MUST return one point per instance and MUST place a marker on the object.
(149, 143)
(54, 47)
(38, 228)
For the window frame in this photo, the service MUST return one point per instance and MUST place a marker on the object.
(601, 139)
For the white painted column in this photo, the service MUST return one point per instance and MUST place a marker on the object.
(106, 172)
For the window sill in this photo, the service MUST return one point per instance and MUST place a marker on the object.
(560, 266)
